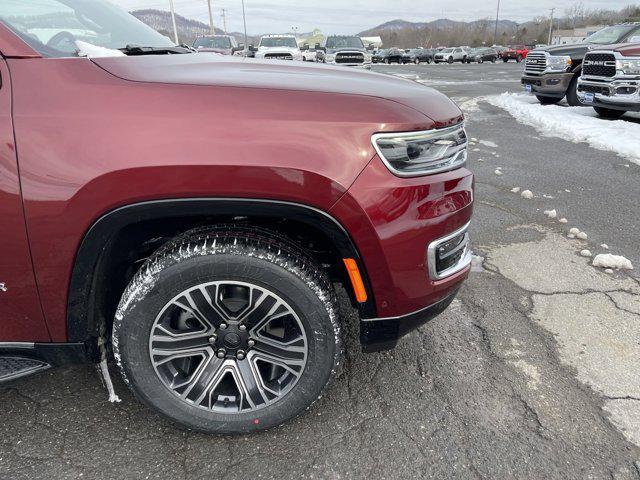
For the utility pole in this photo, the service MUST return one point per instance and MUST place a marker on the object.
(224, 21)
(173, 20)
(244, 20)
(551, 26)
(495, 32)
(213, 30)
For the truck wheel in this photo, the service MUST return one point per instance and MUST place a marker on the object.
(505, 60)
(519, 58)
(547, 100)
(609, 113)
(450, 60)
(228, 330)
(572, 92)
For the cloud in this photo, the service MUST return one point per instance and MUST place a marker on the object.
(337, 16)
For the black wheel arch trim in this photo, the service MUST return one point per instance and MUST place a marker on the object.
(81, 301)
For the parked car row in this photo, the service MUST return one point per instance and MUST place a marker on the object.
(602, 71)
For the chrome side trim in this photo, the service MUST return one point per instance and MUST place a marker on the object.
(17, 345)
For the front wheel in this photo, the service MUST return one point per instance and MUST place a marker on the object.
(609, 113)
(387, 61)
(547, 100)
(519, 58)
(572, 92)
(450, 60)
(228, 330)
(505, 60)
(480, 60)
(417, 61)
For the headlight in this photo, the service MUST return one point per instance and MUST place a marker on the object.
(330, 57)
(558, 63)
(629, 66)
(422, 153)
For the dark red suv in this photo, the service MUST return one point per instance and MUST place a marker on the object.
(193, 214)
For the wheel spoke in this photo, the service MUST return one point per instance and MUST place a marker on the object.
(204, 381)
(282, 352)
(251, 384)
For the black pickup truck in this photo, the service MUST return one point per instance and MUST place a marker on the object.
(552, 73)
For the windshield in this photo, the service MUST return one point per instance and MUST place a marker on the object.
(215, 42)
(289, 42)
(447, 50)
(344, 42)
(609, 34)
(51, 27)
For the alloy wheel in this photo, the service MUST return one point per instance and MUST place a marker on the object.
(228, 346)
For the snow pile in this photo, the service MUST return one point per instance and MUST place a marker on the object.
(606, 260)
(527, 194)
(93, 51)
(563, 220)
(585, 253)
(551, 213)
(515, 189)
(498, 171)
(576, 124)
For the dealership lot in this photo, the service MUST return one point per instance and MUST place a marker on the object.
(532, 373)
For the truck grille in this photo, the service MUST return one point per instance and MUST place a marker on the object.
(599, 65)
(349, 58)
(278, 56)
(536, 63)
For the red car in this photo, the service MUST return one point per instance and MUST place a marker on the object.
(515, 52)
(193, 213)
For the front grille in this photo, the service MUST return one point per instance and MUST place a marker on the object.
(536, 63)
(278, 56)
(599, 65)
(349, 58)
(593, 89)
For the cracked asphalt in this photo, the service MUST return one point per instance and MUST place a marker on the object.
(532, 372)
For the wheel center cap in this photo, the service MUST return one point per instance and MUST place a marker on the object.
(232, 340)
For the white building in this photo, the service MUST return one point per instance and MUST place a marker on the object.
(577, 35)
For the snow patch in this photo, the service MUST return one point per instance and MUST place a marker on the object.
(551, 213)
(563, 220)
(606, 260)
(498, 172)
(527, 194)
(581, 236)
(488, 143)
(515, 189)
(576, 124)
(93, 51)
(574, 231)
(585, 253)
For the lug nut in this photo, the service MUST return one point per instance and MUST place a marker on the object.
(242, 327)
(221, 353)
(251, 342)
(223, 326)
(213, 338)
(240, 354)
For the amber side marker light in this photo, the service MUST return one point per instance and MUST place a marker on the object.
(356, 279)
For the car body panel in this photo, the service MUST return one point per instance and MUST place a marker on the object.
(21, 316)
(188, 126)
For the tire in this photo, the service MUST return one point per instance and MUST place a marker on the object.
(417, 61)
(505, 60)
(608, 113)
(450, 60)
(428, 61)
(260, 275)
(387, 61)
(519, 58)
(572, 92)
(547, 100)
(480, 60)
(493, 60)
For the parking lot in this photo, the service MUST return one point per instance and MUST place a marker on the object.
(532, 373)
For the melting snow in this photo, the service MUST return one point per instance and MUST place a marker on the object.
(585, 253)
(576, 124)
(93, 51)
(515, 189)
(606, 260)
(527, 194)
(488, 143)
(551, 213)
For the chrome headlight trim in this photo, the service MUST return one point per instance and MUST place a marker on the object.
(458, 161)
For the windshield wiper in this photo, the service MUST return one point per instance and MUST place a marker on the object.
(134, 50)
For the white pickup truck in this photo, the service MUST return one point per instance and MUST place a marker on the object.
(278, 47)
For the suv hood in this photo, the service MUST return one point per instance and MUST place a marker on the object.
(226, 71)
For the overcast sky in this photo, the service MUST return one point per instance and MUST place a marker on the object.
(340, 16)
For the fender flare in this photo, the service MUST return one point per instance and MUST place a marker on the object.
(81, 311)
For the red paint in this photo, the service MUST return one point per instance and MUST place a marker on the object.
(96, 135)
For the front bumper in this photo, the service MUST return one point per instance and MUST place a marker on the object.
(548, 84)
(618, 94)
(393, 221)
(379, 334)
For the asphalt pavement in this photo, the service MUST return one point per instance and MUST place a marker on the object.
(533, 372)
